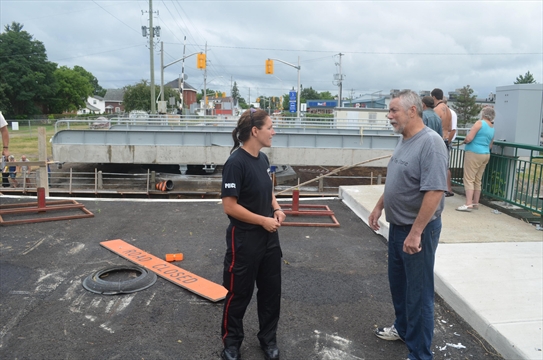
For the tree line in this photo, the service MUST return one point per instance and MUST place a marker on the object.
(30, 84)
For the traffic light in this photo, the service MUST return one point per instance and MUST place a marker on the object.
(257, 100)
(201, 61)
(269, 66)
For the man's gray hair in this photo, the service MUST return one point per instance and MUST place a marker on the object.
(488, 113)
(410, 98)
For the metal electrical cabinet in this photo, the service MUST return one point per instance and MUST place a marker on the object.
(519, 111)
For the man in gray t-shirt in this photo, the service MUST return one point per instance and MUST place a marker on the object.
(415, 168)
(413, 201)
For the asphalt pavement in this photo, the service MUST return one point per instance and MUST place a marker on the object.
(335, 289)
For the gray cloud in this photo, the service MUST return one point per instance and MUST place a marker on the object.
(386, 44)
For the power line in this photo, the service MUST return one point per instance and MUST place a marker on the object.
(128, 26)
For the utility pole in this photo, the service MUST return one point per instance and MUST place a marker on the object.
(182, 77)
(298, 107)
(339, 79)
(151, 54)
(205, 83)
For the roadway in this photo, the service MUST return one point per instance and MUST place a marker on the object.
(335, 289)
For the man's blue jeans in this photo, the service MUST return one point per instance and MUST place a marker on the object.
(411, 280)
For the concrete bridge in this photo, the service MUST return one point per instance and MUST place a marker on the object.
(204, 144)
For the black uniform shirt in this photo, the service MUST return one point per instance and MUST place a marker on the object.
(248, 179)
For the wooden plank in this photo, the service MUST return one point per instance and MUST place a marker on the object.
(181, 277)
(42, 155)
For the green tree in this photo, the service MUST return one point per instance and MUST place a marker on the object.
(73, 90)
(465, 106)
(326, 95)
(235, 93)
(242, 103)
(528, 78)
(309, 94)
(27, 82)
(210, 93)
(138, 97)
(286, 101)
(96, 88)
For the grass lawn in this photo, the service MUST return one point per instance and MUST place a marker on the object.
(25, 140)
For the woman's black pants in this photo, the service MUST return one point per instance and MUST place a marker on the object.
(252, 256)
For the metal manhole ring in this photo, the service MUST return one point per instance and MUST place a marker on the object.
(95, 284)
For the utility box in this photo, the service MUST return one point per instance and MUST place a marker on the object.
(519, 110)
(162, 107)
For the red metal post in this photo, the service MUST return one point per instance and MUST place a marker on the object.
(295, 200)
(41, 199)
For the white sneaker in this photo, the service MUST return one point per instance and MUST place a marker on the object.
(388, 333)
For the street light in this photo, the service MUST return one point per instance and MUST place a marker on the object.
(298, 92)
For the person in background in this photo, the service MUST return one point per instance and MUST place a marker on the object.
(13, 172)
(48, 171)
(5, 137)
(25, 170)
(413, 201)
(253, 253)
(477, 154)
(443, 112)
(429, 117)
(452, 137)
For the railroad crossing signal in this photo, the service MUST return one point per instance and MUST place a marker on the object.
(201, 61)
(269, 66)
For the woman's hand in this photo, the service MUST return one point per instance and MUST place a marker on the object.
(280, 216)
(271, 224)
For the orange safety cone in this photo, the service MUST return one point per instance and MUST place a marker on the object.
(165, 185)
(174, 257)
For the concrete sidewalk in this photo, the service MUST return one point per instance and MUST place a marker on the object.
(488, 269)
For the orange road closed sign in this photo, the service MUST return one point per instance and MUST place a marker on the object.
(192, 282)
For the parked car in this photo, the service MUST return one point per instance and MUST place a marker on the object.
(101, 123)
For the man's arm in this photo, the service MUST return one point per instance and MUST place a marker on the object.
(373, 219)
(451, 135)
(5, 141)
(430, 202)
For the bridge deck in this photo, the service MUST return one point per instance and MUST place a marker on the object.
(155, 144)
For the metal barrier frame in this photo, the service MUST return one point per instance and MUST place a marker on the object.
(514, 173)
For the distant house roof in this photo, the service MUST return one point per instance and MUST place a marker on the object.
(91, 107)
(116, 95)
(174, 84)
(97, 97)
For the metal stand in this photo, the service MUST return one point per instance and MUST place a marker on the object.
(40, 207)
(314, 210)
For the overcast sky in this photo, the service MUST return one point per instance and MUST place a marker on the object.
(386, 45)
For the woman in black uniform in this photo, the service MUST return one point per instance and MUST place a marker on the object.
(253, 253)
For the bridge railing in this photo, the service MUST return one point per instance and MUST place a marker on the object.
(513, 174)
(186, 121)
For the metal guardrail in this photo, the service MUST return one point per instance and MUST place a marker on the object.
(95, 182)
(187, 121)
(514, 173)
